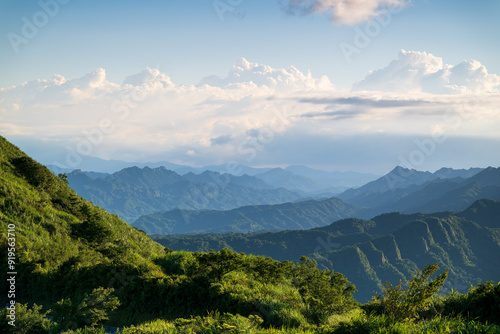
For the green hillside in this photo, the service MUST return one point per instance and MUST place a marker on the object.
(385, 248)
(297, 215)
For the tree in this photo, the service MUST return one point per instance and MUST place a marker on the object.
(401, 303)
(93, 310)
(324, 291)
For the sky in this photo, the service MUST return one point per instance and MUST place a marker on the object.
(361, 85)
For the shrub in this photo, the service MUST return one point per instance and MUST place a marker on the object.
(481, 302)
(324, 291)
(90, 312)
(27, 321)
(401, 303)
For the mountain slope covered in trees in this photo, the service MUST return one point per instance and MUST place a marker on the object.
(293, 216)
(133, 191)
(385, 248)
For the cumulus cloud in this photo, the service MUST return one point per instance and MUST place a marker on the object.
(245, 73)
(255, 115)
(149, 77)
(348, 12)
(416, 71)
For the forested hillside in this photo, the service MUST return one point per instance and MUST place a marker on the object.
(133, 192)
(385, 248)
(293, 216)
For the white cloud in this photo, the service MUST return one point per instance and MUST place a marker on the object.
(348, 12)
(253, 74)
(255, 115)
(149, 77)
(423, 72)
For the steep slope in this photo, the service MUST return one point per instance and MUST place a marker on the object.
(62, 241)
(133, 192)
(68, 250)
(293, 216)
(386, 248)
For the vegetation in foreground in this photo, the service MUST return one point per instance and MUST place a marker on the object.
(409, 310)
(89, 268)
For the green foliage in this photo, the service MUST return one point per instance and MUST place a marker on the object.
(92, 311)
(94, 228)
(36, 174)
(437, 325)
(481, 303)
(402, 302)
(27, 320)
(324, 291)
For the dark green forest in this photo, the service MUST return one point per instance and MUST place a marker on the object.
(386, 248)
(79, 267)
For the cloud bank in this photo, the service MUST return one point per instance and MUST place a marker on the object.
(422, 72)
(259, 115)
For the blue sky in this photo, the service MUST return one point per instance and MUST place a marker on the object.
(187, 41)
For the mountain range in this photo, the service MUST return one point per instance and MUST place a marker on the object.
(410, 191)
(133, 191)
(298, 215)
(386, 248)
(444, 190)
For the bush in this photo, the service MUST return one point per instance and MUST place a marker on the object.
(481, 303)
(27, 321)
(90, 312)
(324, 291)
(401, 303)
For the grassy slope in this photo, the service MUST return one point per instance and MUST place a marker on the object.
(55, 255)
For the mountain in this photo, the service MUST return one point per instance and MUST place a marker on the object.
(291, 216)
(133, 192)
(451, 194)
(280, 178)
(313, 181)
(56, 170)
(413, 191)
(338, 179)
(236, 169)
(243, 180)
(386, 248)
(401, 178)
